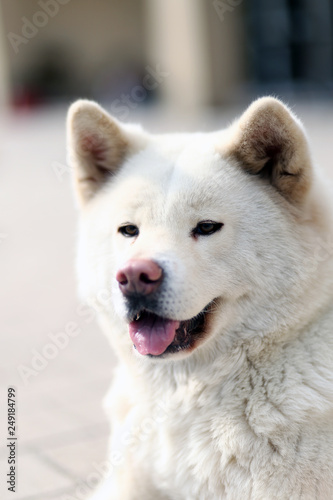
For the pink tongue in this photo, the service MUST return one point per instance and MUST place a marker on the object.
(152, 334)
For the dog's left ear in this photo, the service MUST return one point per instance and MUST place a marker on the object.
(268, 140)
(98, 144)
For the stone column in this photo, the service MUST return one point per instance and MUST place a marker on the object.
(177, 41)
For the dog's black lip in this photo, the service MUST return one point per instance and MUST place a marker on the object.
(188, 332)
(138, 304)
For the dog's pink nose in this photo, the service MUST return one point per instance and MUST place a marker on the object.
(139, 276)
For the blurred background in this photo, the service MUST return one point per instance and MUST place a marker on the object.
(215, 51)
(176, 65)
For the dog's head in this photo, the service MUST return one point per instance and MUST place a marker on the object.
(197, 239)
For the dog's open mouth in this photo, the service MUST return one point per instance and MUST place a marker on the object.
(154, 335)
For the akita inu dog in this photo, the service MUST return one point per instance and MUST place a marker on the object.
(216, 251)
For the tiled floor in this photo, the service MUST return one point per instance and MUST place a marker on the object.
(62, 430)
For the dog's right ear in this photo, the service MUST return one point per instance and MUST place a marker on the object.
(97, 146)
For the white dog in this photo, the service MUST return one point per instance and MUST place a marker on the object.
(216, 251)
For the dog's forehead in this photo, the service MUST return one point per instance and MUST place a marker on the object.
(161, 161)
(176, 163)
(168, 179)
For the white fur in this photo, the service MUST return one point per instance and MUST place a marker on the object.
(248, 414)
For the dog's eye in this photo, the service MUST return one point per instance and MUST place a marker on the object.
(129, 230)
(207, 227)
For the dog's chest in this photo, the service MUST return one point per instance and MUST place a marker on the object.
(218, 442)
(201, 441)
